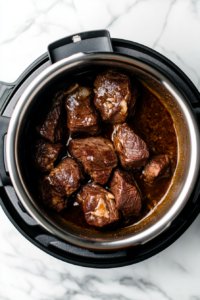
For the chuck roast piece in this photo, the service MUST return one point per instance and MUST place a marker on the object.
(81, 113)
(98, 205)
(61, 182)
(49, 199)
(97, 156)
(115, 98)
(53, 127)
(66, 177)
(44, 155)
(127, 193)
(133, 151)
(157, 166)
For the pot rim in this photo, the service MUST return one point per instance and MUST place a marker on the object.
(13, 167)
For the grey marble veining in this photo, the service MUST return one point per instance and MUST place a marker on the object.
(171, 27)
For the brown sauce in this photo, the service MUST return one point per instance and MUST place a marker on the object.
(154, 125)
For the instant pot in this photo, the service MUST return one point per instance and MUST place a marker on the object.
(77, 54)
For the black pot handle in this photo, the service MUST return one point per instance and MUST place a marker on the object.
(88, 41)
(5, 90)
(4, 176)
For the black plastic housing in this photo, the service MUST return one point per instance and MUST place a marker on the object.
(72, 254)
(88, 41)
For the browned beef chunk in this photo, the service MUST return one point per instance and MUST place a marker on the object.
(133, 151)
(50, 199)
(61, 182)
(115, 98)
(157, 166)
(98, 205)
(44, 154)
(53, 127)
(81, 114)
(97, 156)
(66, 177)
(127, 193)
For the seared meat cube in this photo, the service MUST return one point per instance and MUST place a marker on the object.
(133, 151)
(50, 198)
(127, 193)
(158, 166)
(98, 205)
(44, 154)
(81, 114)
(65, 178)
(115, 98)
(61, 182)
(97, 156)
(53, 127)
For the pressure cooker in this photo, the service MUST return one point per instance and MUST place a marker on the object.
(76, 54)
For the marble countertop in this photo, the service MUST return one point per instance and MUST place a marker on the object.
(171, 27)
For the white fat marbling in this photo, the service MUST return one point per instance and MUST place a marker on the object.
(172, 27)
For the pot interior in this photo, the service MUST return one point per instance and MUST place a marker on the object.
(177, 194)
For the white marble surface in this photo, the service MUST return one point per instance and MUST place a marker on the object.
(171, 27)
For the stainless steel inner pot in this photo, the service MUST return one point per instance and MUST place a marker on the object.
(184, 177)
